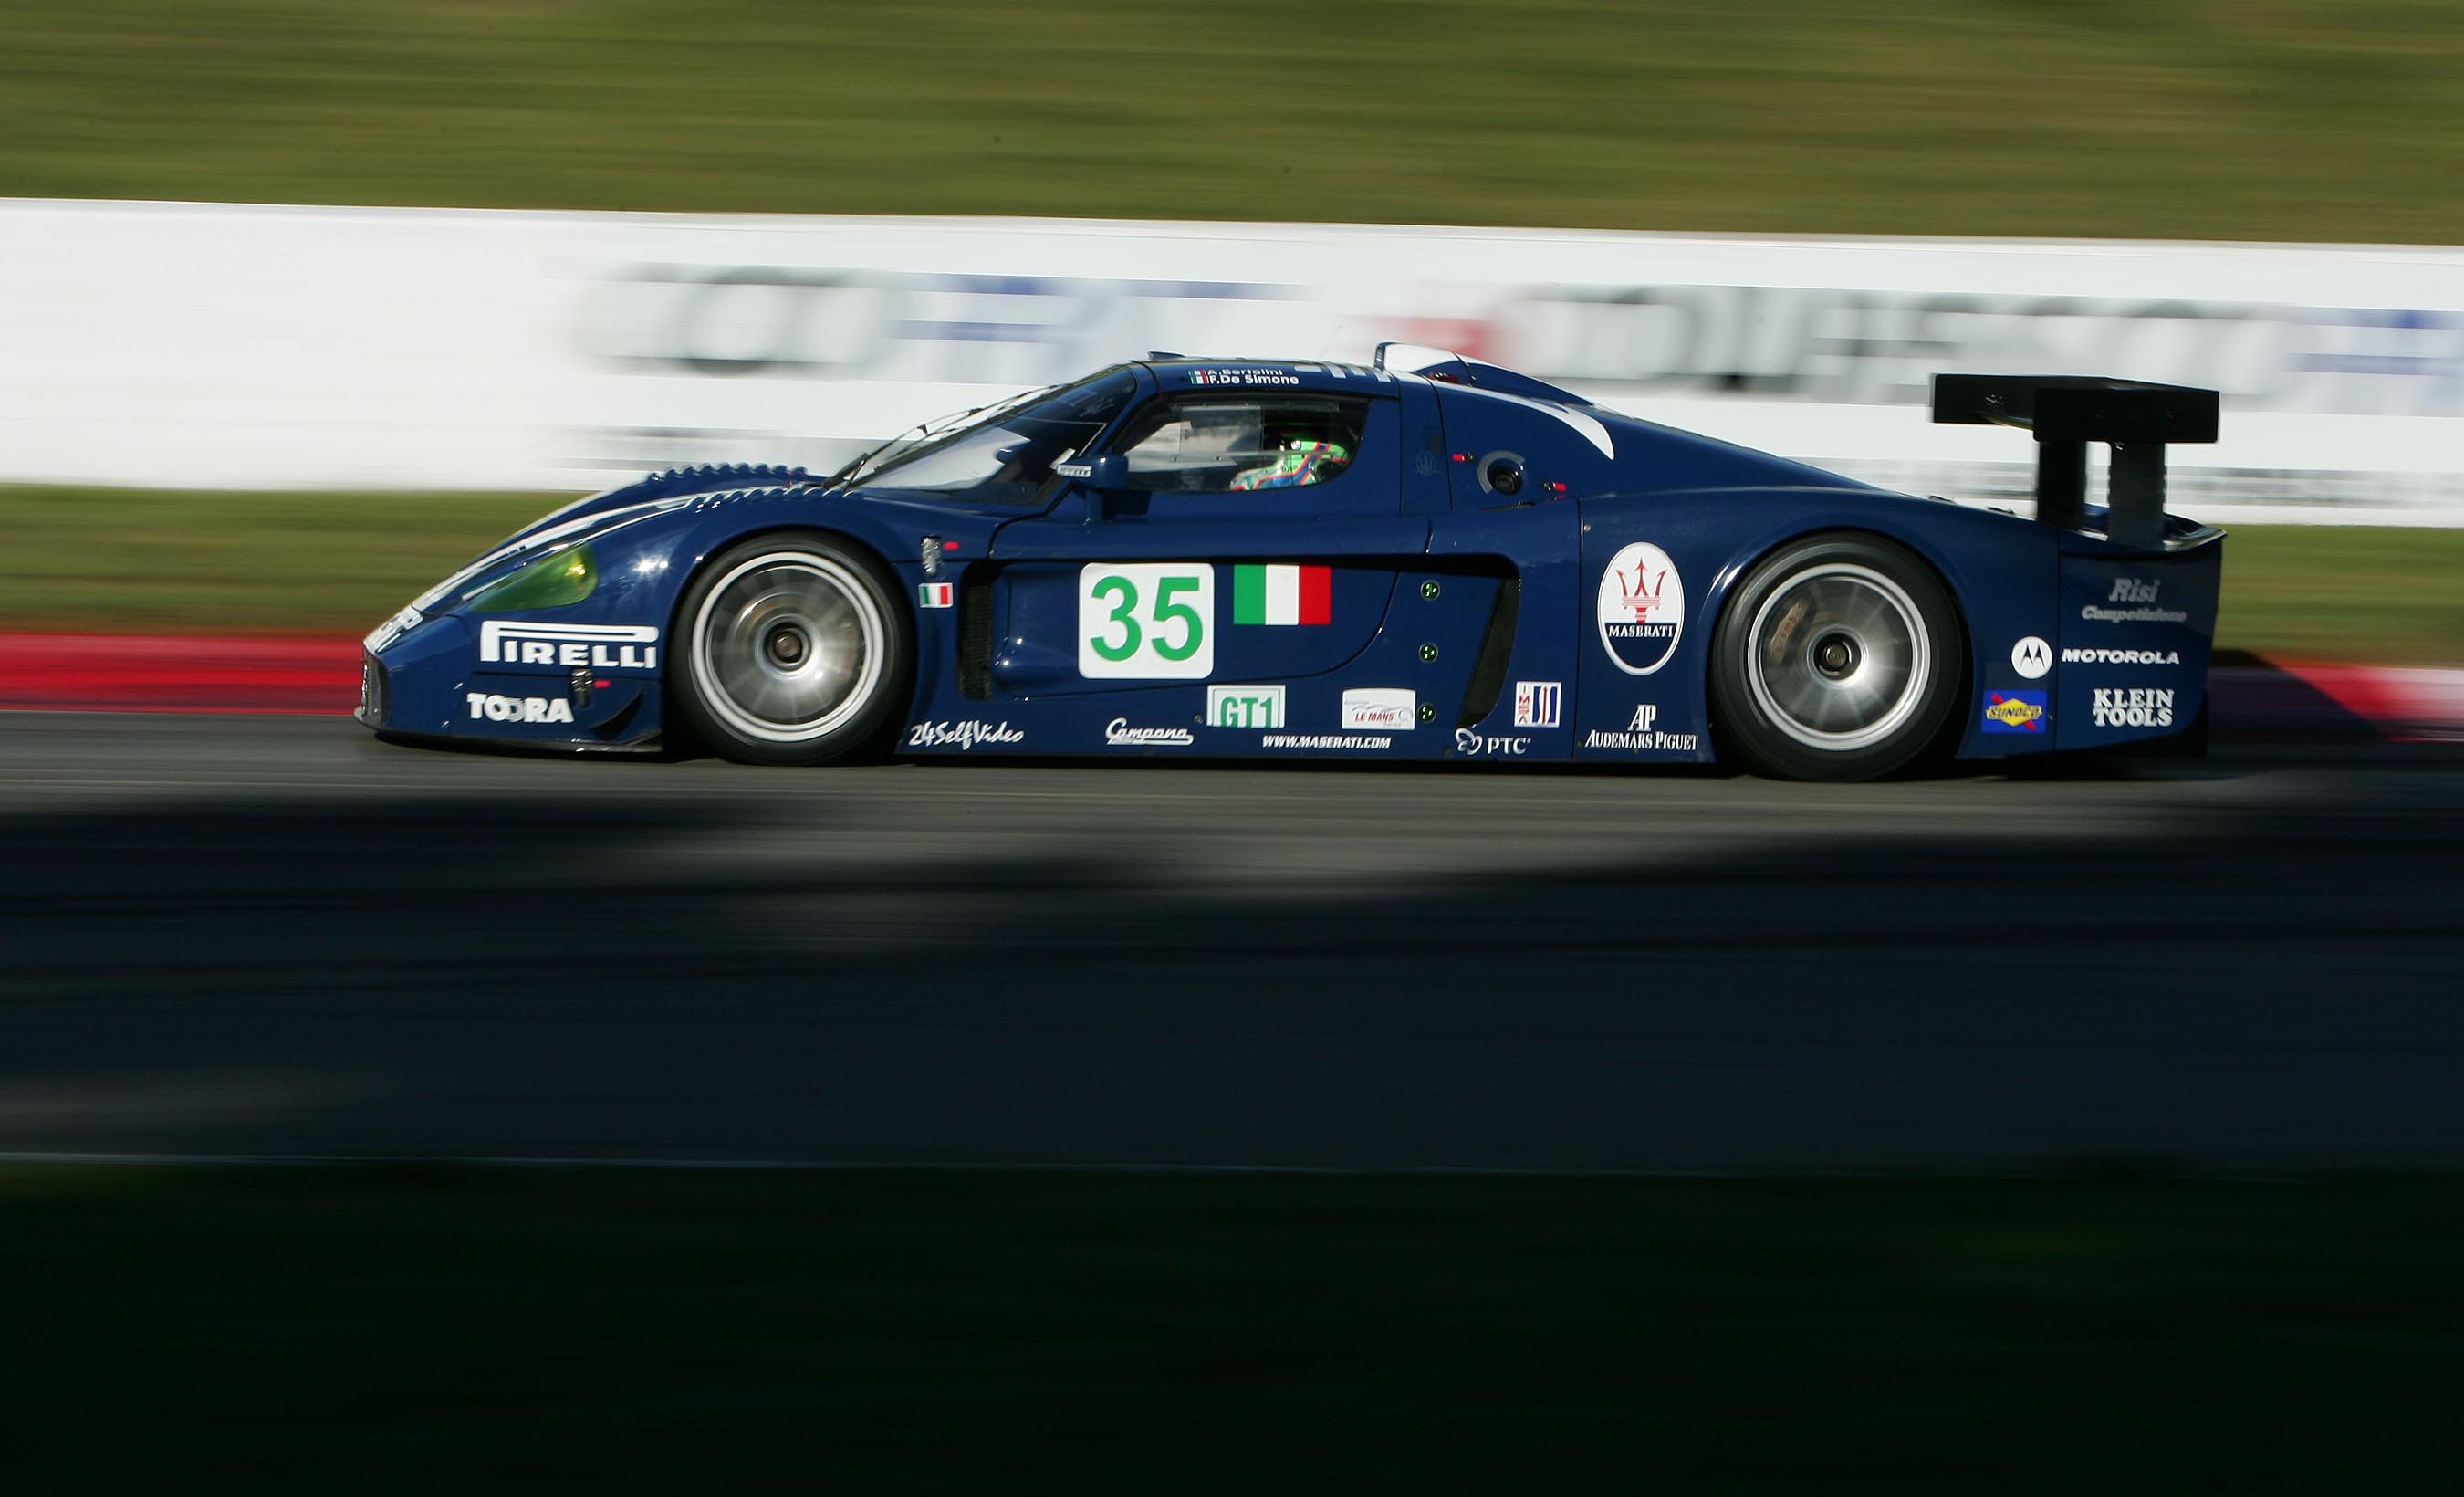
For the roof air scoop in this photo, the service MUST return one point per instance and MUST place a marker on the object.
(1437, 364)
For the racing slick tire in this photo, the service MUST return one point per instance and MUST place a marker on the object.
(794, 651)
(1840, 657)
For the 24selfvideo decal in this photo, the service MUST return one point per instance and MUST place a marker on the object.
(1641, 608)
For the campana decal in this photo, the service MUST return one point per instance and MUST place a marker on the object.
(1119, 732)
(2015, 711)
(518, 708)
(1641, 608)
(961, 735)
(1379, 706)
(2140, 593)
(1472, 746)
(933, 595)
(2121, 657)
(1539, 704)
(1327, 741)
(2032, 658)
(1244, 706)
(2134, 708)
(601, 647)
(1643, 736)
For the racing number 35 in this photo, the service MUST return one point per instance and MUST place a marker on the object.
(1146, 623)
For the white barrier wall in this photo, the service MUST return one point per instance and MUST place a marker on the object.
(215, 346)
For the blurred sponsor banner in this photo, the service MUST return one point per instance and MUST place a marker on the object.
(217, 345)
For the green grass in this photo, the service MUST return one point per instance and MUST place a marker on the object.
(120, 561)
(328, 1330)
(2227, 118)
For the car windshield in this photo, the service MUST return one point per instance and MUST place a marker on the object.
(1005, 455)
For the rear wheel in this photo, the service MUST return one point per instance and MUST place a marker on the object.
(793, 652)
(1838, 659)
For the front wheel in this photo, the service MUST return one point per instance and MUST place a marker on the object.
(1838, 659)
(793, 652)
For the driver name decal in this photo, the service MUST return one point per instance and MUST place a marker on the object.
(1641, 608)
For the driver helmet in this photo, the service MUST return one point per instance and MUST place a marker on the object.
(1301, 460)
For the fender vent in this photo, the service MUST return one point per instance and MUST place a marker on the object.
(1496, 648)
(976, 640)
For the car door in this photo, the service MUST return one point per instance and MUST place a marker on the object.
(1251, 535)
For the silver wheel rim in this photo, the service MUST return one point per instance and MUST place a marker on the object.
(1838, 657)
(789, 646)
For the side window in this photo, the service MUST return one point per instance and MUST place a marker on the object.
(1242, 444)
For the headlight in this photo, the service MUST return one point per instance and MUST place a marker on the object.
(549, 583)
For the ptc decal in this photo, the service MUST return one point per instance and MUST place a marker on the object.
(2032, 658)
(1641, 608)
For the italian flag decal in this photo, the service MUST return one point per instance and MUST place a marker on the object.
(1283, 595)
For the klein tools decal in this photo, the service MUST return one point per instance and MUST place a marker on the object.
(1282, 594)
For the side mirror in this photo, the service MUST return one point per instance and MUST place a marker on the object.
(1107, 472)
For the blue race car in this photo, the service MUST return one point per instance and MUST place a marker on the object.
(1280, 559)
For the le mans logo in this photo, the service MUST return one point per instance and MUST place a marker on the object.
(2015, 711)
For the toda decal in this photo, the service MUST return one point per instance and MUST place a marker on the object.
(600, 646)
(1642, 736)
(1539, 704)
(961, 735)
(1118, 732)
(1151, 621)
(1641, 608)
(2015, 711)
(2134, 708)
(2032, 658)
(518, 708)
(1283, 595)
(1244, 706)
(1379, 706)
(1472, 746)
(2121, 657)
(2140, 593)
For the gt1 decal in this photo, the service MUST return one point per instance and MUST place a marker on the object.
(1118, 732)
(518, 708)
(1471, 745)
(1641, 737)
(2015, 711)
(2134, 708)
(2139, 592)
(1379, 706)
(1244, 706)
(961, 735)
(2032, 658)
(1146, 622)
(601, 647)
(933, 595)
(1641, 608)
(2121, 657)
(1539, 704)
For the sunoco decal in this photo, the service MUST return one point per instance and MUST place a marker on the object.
(2015, 711)
(1641, 608)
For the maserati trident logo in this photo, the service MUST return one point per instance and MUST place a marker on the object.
(1640, 608)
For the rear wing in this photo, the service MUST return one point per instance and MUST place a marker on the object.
(2069, 411)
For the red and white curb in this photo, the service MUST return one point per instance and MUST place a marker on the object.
(2270, 701)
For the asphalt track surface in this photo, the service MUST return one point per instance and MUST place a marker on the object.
(275, 935)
